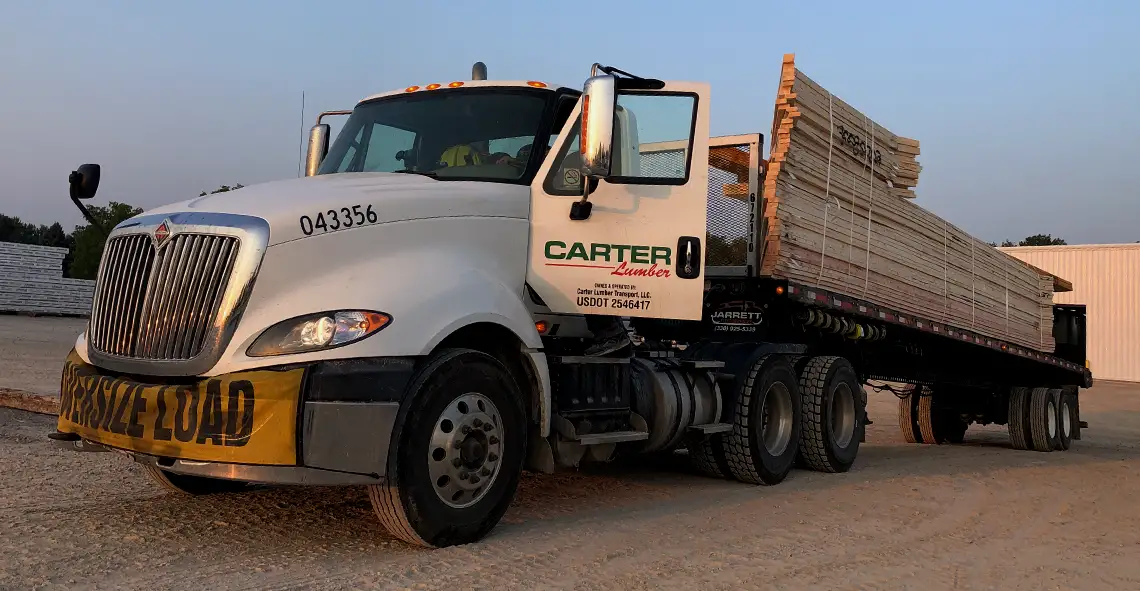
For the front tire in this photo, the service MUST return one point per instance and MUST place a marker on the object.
(185, 484)
(457, 452)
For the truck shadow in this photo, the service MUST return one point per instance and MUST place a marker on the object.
(249, 528)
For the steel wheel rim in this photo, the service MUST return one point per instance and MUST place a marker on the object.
(842, 423)
(777, 418)
(1066, 419)
(1051, 420)
(465, 450)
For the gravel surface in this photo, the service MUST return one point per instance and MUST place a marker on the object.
(32, 351)
(973, 516)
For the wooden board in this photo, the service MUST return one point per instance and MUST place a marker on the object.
(839, 216)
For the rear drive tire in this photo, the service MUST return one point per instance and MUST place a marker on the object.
(707, 456)
(832, 414)
(1018, 420)
(1043, 419)
(762, 446)
(457, 452)
(1064, 420)
(185, 484)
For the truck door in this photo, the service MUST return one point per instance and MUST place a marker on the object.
(641, 250)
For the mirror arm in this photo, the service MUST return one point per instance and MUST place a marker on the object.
(90, 218)
(580, 210)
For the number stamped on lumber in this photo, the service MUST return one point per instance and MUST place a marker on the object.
(338, 219)
(858, 146)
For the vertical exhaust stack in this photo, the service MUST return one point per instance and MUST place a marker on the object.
(479, 71)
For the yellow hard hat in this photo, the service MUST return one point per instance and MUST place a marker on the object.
(461, 155)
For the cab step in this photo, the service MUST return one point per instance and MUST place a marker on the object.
(711, 428)
(612, 437)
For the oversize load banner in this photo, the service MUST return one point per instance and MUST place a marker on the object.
(246, 418)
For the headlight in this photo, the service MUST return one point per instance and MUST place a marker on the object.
(315, 332)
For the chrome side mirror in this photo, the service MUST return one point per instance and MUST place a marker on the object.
(599, 101)
(318, 148)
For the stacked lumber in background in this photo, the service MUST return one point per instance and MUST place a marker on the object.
(32, 281)
(839, 217)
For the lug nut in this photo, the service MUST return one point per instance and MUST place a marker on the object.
(466, 429)
(477, 423)
(485, 472)
(463, 476)
(493, 457)
(494, 440)
(458, 445)
(474, 479)
(488, 426)
(457, 462)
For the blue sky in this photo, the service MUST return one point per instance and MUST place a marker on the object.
(1028, 112)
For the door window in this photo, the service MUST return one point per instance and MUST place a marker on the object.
(652, 145)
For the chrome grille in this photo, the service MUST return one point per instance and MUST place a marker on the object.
(160, 305)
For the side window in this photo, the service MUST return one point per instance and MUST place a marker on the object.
(383, 145)
(653, 138)
(565, 176)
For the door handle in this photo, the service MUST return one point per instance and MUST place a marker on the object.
(688, 257)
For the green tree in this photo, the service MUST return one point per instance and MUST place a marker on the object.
(222, 189)
(89, 241)
(1041, 240)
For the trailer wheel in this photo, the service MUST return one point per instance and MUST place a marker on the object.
(1066, 420)
(949, 427)
(908, 414)
(185, 484)
(457, 452)
(762, 446)
(926, 417)
(1018, 421)
(1043, 419)
(832, 414)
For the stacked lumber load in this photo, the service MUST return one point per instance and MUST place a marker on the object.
(839, 217)
(32, 281)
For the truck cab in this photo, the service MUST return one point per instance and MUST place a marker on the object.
(392, 318)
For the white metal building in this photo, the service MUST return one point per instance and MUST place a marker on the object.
(1106, 278)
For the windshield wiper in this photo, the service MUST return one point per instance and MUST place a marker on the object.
(426, 173)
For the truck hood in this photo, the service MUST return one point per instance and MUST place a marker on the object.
(296, 208)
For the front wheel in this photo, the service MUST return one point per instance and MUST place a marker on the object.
(457, 452)
(194, 485)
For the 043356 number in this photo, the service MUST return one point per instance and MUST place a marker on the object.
(338, 219)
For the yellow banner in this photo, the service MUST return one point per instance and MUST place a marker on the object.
(245, 418)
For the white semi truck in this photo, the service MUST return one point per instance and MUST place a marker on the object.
(410, 316)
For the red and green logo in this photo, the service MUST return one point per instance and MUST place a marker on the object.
(624, 260)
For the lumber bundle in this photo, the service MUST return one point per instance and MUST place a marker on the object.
(32, 281)
(839, 217)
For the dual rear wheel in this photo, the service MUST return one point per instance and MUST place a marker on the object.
(1041, 419)
(788, 409)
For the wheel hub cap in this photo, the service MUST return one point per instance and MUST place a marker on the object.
(465, 450)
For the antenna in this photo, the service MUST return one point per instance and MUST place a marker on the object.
(301, 149)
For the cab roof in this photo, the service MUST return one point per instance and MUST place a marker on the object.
(428, 87)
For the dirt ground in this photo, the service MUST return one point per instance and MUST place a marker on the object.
(973, 516)
(32, 351)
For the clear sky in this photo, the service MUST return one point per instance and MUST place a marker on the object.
(1028, 112)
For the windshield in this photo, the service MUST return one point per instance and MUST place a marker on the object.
(468, 134)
